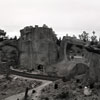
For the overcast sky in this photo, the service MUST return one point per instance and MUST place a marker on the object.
(64, 16)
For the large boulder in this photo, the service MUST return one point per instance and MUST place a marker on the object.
(79, 69)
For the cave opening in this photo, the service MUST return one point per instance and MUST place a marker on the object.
(40, 67)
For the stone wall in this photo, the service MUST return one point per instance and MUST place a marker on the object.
(37, 46)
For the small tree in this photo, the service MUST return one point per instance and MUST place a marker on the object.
(15, 38)
(45, 26)
(84, 36)
(93, 38)
(74, 37)
(59, 41)
(2, 33)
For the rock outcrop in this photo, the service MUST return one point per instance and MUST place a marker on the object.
(38, 46)
(94, 71)
(71, 46)
(93, 57)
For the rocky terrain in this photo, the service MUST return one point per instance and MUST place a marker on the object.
(15, 86)
(38, 50)
(70, 90)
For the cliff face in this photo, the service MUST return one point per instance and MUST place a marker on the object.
(94, 71)
(9, 55)
(37, 46)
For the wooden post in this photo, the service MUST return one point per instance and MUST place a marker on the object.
(26, 93)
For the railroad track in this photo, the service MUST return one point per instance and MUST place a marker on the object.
(35, 76)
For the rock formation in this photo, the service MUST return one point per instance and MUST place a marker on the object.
(94, 66)
(38, 46)
(70, 45)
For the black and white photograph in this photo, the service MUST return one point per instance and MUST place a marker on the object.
(49, 50)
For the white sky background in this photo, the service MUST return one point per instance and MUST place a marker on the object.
(64, 16)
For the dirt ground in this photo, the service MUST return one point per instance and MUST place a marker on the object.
(31, 96)
(16, 85)
(71, 90)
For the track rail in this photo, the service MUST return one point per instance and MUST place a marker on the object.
(35, 76)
